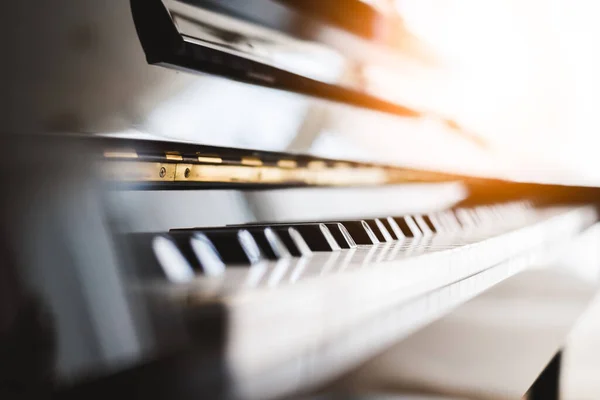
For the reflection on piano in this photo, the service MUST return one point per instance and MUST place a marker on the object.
(172, 234)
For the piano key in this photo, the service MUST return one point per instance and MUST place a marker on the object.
(270, 243)
(315, 234)
(293, 241)
(235, 246)
(368, 256)
(422, 225)
(375, 287)
(341, 235)
(267, 240)
(379, 229)
(451, 223)
(368, 285)
(393, 228)
(207, 255)
(465, 219)
(375, 229)
(384, 230)
(408, 226)
(360, 232)
(173, 263)
(430, 224)
(317, 237)
(437, 223)
(386, 234)
(184, 245)
(276, 245)
(158, 257)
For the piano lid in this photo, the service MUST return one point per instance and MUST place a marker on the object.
(308, 47)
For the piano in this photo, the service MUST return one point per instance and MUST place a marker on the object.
(237, 199)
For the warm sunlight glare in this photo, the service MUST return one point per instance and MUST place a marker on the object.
(523, 74)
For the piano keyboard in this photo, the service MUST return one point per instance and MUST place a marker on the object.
(289, 291)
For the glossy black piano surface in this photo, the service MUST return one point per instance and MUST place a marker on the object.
(95, 77)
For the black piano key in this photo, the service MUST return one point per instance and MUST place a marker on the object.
(408, 226)
(392, 228)
(267, 240)
(276, 245)
(235, 246)
(382, 228)
(428, 220)
(270, 243)
(375, 229)
(185, 246)
(157, 256)
(293, 241)
(250, 247)
(360, 232)
(208, 256)
(317, 237)
(315, 234)
(341, 235)
(437, 223)
(422, 225)
(175, 266)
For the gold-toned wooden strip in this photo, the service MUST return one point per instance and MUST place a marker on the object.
(370, 175)
(253, 161)
(120, 154)
(275, 175)
(209, 158)
(237, 174)
(138, 171)
(399, 175)
(347, 176)
(146, 171)
(317, 165)
(173, 156)
(216, 173)
(287, 164)
(342, 165)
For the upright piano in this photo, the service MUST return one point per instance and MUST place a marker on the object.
(250, 199)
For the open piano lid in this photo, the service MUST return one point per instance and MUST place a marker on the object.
(309, 48)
